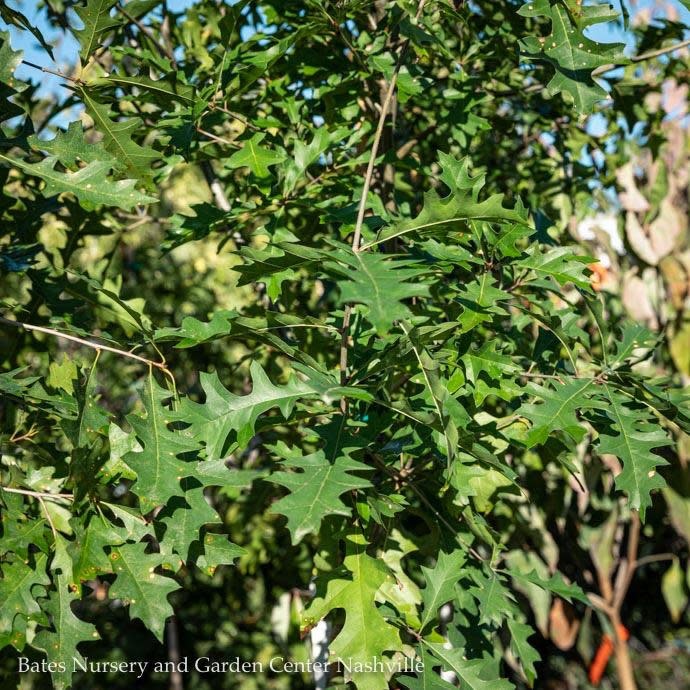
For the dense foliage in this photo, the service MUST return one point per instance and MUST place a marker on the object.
(364, 312)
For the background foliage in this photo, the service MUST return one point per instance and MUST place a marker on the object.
(365, 312)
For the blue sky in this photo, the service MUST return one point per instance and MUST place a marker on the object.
(67, 49)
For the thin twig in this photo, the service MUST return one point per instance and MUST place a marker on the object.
(37, 494)
(630, 562)
(163, 51)
(437, 403)
(165, 33)
(220, 140)
(215, 186)
(599, 603)
(234, 115)
(420, 495)
(644, 56)
(50, 520)
(557, 377)
(82, 341)
(74, 80)
(357, 237)
(653, 558)
(33, 430)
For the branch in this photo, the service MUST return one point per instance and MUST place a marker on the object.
(38, 494)
(50, 520)
(88, 343)
(216, 188)
(47, 70)
(217, 139)
(630, 564)
(654, 558)
(357, 237)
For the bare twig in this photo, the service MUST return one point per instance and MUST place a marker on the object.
(233, 115)
(165, 33)
(611, 603)
(357, 237)
(654, 558)
(216, 138)
(214, 185)
(37, 494)
(50, 520)
(33, 430)
(173, 643)
(164, 51)
(650, 55)
(74, 80)
(599, 603)
(88, 343)
(629, 565)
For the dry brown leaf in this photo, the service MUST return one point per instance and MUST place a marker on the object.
(631, 198)
(637, 302)
(665, 230)
(639, 240)
(563, 625)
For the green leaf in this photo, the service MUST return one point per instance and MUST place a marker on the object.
(674, 591)
(141, 587)
(315, 488)
(468, 672)
(440, 583)
(366, 633)
(117, 139)
(257, 158)
(60, 643)
(522, 649)
(90, 185)
(134, 524)
(462, 204)
(71, 146)
(62, 375)
(446, 409)
(559, 263)
(217, 473)
(496, 603)
(633, 338)
(560, 404)
(87, 551)
(218, 550)
(379, 282)
(224, 412)
(158, 466)
(426, 679)
(20, 586)
(631, 437)
(95, 15)
(16, 18)
(486, 365)
(20, 533)
(274, 264)
(570, 52)
(83, 432)
(194, 332)
(307, 154)
(554, 584)
(184, 516)
(166, 89)
(481, 302)
(9, 60)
